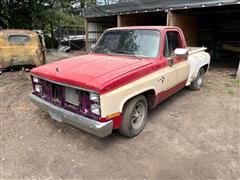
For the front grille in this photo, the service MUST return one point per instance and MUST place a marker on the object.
(69, 98)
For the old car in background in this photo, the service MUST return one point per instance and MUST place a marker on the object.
(21, 48)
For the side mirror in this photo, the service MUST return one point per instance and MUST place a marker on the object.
(181, 52)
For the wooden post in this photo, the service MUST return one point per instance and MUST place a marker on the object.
(188, 24)
(169, 18)
(119, 21)
(52, 35)
(238, 72)
(86, 35)
(125, 20)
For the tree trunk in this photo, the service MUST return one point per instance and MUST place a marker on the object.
(82, 4)
(52, 35)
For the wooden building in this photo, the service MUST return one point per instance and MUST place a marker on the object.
(214, 24)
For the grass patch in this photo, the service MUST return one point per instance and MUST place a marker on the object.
(2, 83)
(207, 86)
(230, 91)
(237, 81)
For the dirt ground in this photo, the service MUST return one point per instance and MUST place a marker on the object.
(192, 135)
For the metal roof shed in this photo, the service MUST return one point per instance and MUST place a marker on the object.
(138, 6)
(204, 22)
(151, 12)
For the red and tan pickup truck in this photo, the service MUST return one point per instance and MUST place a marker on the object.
(129, 71)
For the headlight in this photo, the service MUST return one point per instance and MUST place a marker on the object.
(94, 97)
(35, 79)
(95, 109)
(38, 88)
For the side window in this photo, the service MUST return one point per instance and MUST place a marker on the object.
(172, 41)
(166, 49)
(19, 38)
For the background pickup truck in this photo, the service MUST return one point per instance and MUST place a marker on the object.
(129, 71)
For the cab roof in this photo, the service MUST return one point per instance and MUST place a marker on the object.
(160, 28)
(17, 31)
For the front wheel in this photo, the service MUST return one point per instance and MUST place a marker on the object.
(134, 116)
(197, 83)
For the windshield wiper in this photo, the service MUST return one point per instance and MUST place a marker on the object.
(124, 52)
(120, 52)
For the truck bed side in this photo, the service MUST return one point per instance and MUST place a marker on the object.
(197, 58)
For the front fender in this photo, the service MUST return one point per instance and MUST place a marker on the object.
(114, 101)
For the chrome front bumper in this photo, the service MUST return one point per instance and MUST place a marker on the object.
(101, 129)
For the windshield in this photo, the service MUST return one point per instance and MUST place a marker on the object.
(142, 43)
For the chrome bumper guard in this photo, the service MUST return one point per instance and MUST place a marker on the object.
(100, 129)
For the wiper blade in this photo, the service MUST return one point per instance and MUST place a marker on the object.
(119, 52)
(130, 55)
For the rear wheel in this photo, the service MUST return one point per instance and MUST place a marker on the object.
(134, 116)
(197, 83)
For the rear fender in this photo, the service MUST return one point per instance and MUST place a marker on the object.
(197, 61)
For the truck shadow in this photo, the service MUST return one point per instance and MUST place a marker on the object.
(163, 106)
(166, 103)
(116, 137)
(78, 136)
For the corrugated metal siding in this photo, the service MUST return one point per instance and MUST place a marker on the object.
(95, 30)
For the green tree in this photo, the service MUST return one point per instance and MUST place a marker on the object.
(35, 14)
(41, 14)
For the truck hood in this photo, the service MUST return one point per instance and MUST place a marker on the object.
(90, 71)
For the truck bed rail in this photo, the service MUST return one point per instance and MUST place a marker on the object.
(193, 50)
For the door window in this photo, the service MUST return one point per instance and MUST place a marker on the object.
(172, 41)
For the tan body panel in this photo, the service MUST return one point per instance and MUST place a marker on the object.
(14, 54)
(114, 101)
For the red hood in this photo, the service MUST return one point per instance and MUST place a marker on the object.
(91, 71)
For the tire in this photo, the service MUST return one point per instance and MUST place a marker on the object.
(197, 83)
(134, 116)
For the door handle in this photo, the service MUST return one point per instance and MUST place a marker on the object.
(170, 61)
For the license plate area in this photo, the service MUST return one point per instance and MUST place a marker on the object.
(72, 96)
(55, 115)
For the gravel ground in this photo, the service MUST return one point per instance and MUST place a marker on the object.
(192, 135)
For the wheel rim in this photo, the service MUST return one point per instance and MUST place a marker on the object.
(138, 115)
(200, 79)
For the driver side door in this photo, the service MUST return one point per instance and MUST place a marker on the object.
(180, 65)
